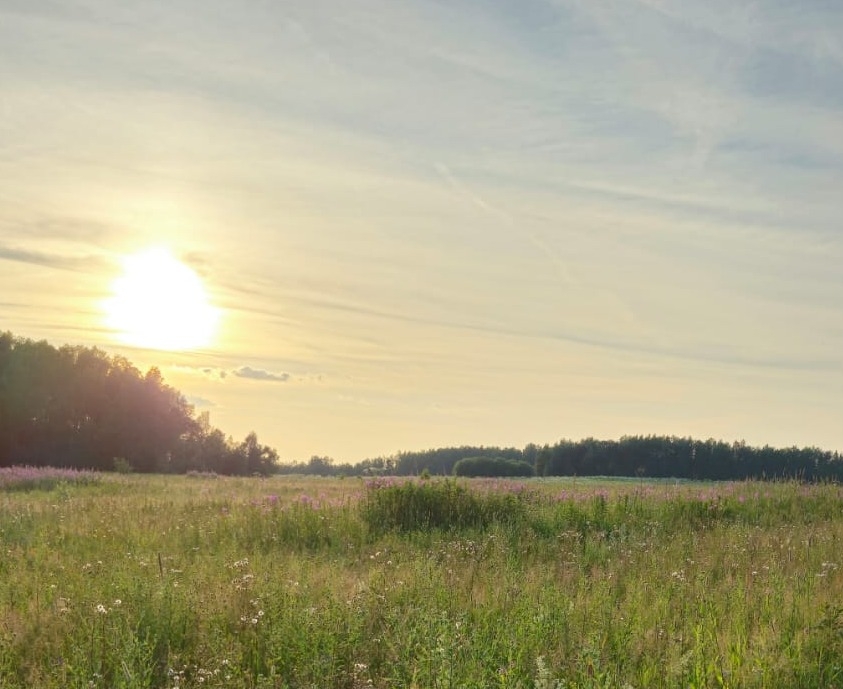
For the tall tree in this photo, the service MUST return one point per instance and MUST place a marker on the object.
(78, 406)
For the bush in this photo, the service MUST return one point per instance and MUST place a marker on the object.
(430, 505)
(492, 466)
(122, 465)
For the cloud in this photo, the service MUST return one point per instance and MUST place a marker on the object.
(260, 374)
(72, 263)
(635, 185)
(30, 224)
(200, 402)
(209, 372)
(220, 374)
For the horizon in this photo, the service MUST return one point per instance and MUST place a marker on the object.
(435, 225)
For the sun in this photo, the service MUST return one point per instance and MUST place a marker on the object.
(160, 303)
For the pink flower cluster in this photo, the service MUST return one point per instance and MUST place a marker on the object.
(33, 478)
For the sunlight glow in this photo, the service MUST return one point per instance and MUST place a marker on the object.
(160, 303)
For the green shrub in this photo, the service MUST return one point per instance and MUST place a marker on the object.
(122, 465)
(411, 506)
(492, 467)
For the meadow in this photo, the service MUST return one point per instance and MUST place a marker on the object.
(112, 581)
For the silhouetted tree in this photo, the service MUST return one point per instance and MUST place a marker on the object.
(77, 406)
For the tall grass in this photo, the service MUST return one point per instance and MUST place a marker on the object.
(43, 478)
(422, 506)
(141, 582)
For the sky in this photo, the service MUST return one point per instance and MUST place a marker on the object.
(431, 223)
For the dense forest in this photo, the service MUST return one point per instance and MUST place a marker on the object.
(78, 407)
(643, 456)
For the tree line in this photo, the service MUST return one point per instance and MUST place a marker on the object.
(683, 457)
(78, 407)
(645, 456)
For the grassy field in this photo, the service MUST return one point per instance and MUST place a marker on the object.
(139, 581)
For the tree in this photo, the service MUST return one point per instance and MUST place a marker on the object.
(77, 406)
(259, 459)
(492, 466)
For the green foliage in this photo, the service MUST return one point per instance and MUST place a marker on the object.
(492, 467)
(441, 461)
(410, 506)
(122, 465)
(79, 407)
(674, 457)
(632, 456)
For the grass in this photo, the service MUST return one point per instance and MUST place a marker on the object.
(42, 478)
(148, 581)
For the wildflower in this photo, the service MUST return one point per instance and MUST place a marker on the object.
(101, 609)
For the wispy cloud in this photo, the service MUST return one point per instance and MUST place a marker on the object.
(47, 260)
(453, 196)
(260, 374)
(66, 229)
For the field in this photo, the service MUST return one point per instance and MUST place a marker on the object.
(203, 581)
